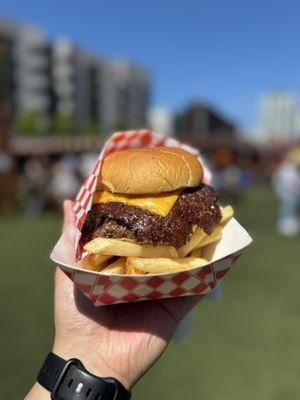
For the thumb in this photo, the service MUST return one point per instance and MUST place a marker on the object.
(68, 214)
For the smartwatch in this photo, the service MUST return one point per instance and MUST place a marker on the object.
(68, 380)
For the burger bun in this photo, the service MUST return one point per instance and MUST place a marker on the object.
(150, 171)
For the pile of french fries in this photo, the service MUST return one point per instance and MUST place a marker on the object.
(116, 256)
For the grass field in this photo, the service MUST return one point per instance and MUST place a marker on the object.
(244, 347)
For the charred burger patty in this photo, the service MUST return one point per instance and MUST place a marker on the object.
(194, 206)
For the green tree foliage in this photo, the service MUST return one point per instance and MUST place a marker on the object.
(28, 122)
(63, 125)
(92, 128)
(121, 125)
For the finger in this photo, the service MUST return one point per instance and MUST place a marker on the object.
(68, 213)
(63, 285)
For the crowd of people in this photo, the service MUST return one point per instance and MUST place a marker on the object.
(232, 182)
(45, 183)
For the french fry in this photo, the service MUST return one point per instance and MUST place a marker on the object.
(94, 262)
(117, 267)
(227, 213)
(196, 253)
(193, 243)
(147, 258)
(214, 237)
(116, 247)
(163, 265)
(131, 270)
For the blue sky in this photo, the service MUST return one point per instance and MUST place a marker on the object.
(225, 52)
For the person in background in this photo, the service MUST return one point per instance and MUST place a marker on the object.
(286, 183)
(64, 180)
(33, 185)
(86, 163)
(6, 177)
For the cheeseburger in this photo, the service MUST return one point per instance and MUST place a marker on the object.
(151, 196)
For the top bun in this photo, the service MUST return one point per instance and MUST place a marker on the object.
(150, 170)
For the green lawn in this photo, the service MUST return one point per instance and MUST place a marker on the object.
(244, 347)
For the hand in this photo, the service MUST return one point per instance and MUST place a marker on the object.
(121, 341)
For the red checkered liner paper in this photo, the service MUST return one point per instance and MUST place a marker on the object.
(112, 289)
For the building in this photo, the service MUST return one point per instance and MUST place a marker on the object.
(29, 72)
(6, 88)
(31, 57)
(201, 122)
(139, 97)
(97, 93)
(279, 117)
(161, 120)
(123, 97)
(75, 85)
(6, 66)
(59, 87)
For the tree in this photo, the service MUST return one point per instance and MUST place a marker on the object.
(121, 125)
(63, 124)
(92, 128)
(28, 121)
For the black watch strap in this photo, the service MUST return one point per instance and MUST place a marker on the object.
(68, 380)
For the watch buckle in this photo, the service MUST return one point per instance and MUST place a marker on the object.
(62, 375)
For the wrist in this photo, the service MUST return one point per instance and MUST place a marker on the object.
(37, 392)
(67, 349)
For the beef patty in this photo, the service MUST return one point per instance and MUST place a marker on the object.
(194, 206)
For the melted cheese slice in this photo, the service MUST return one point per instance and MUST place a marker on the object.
(159, 204)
